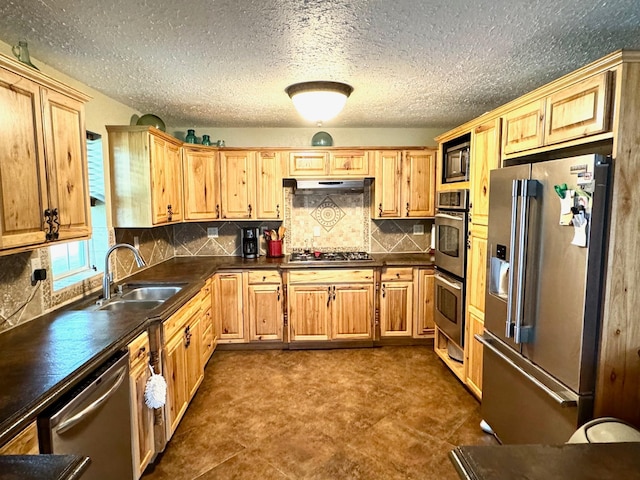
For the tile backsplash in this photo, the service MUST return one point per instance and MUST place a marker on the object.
(342, 221)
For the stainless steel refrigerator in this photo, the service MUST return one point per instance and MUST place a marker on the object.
(546, 258)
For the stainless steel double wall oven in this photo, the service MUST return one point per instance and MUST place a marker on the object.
(451, 262)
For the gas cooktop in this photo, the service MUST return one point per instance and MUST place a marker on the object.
(329, 257)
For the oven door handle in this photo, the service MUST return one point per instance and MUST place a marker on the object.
(450, 217)
(447, 282)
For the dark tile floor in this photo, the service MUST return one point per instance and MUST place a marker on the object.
(378, 413)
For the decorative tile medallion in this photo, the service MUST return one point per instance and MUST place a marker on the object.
(328, 214)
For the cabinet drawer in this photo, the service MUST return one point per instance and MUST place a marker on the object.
(264, 276)
(181, 317)
(330, 275)
(207, 344)
(402, 274)
(139, 350)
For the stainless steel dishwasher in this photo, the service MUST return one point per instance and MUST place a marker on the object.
(94, 420)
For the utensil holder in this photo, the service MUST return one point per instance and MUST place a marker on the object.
(274, 248)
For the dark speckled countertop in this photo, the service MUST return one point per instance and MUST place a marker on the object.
(44, 358)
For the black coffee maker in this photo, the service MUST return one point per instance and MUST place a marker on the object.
(250, 242)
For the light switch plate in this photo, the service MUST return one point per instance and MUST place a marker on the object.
(212, 232)
(316, 231)
(418, 229)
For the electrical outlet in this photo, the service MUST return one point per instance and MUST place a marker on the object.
(36, 264)
(136, 242)
(418, 229)
(316, 231)
(212, 232)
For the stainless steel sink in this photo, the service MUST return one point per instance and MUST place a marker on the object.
(122, 305)
(151, 292)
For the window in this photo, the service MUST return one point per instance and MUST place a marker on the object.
(73, 262)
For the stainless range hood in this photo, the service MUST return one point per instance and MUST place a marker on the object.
(311, 187)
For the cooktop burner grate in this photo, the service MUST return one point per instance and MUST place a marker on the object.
(329, 257)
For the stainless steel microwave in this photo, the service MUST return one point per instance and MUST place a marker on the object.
(456, 163)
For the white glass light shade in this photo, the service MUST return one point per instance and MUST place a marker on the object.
(319, 101)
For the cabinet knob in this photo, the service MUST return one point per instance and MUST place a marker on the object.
(407, 209)
(384, 290)
(250, 208)
(328, 295)
(278, 292)
(334, 292)
(217, 211)
(278, 211)
(380, 210)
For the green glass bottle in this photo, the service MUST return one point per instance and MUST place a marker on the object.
(206, 140)
(191, 136)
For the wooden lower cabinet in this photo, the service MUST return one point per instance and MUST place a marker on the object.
(265, 312)
(183, 368)
(227, 307)
(396, 302)
(473, 354)
(331, 304)
(423, 287)
(24, 443)
(142, 439)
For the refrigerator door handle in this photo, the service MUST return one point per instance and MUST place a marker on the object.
(564, 399)
(528, 189)
(515, 193)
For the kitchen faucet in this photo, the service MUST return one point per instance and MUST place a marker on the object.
(106, 280)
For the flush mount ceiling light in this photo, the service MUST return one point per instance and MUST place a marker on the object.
(319, 101)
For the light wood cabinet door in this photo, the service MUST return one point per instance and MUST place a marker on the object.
(485, 153)
(474, 354)
(175, 372)
(269, 190)
(523, 128)
(228, 310)
(67, 170)
(166, 181)
(419, 183)
(308, 164)
(193, 352)
(424, 289)
(387, 186)
(24, 443)
(142, 418)
(579, 110)
(201, 184)
(477, 268)
(349, 163)
(237, 184)
(309, 312)
(396, 309)
(23, 194)
(265, 312)
(352, 311)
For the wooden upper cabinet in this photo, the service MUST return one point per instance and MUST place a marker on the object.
(349, 163)
(308, 164)
(387, 184)
(23, 189)
(146, 177)
(404, 184)
(485, 156)
(269, 191)
(237, 184)
(419, 183)
(334, 163)
(201, 183)
(578, 110)
(166, 181)
(44, 188)
(523, 128)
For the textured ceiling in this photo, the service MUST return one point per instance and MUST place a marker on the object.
(226, 63)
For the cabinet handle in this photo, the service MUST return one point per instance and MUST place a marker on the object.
(49, 227)
(380, 210)
(278, 211)
(407, 209)
(334, 292)
(278, 292)
(187, 336)
(384, 290)
(264, 278)
(141, 351)
(250, 209)
(169, 212)
(217, 211)
(328, 295)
